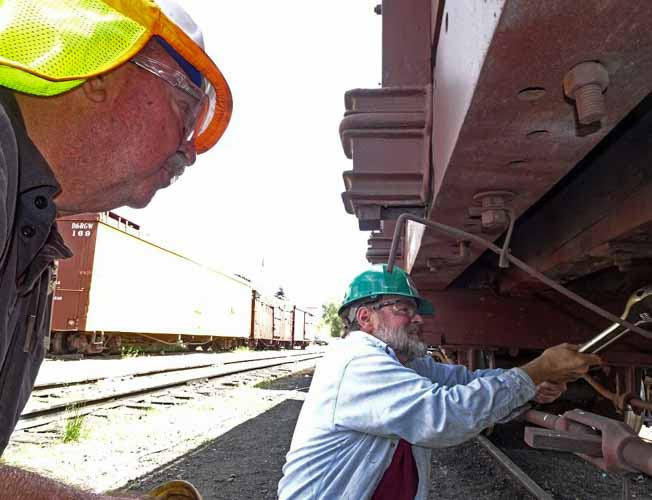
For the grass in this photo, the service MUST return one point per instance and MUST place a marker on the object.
(265, 384)
(241, 348)
(74, 430)
(130, 351)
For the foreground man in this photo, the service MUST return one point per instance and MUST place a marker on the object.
(378, 403)
(102, 103)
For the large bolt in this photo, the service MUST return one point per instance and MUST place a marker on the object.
(492, 210)
(586, 83)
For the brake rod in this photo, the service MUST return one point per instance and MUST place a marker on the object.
(505, 255)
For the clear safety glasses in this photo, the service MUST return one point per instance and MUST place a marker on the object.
(193, 102)
(399, 307)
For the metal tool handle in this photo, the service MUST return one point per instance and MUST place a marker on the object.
(638, 311)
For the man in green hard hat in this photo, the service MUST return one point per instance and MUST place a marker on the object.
(378, 403)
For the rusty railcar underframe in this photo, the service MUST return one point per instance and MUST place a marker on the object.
(472, 115)
(488, 108)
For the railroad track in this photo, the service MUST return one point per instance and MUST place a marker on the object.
(51, 402)
(547, 475)
(514, 470)
(178, 364)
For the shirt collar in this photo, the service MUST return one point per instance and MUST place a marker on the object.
(39, 173)
(359, 335)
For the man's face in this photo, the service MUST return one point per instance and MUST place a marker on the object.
(133, 146)
(399, 326)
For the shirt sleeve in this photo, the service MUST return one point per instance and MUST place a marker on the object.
(380, 396)
(449, 375)
(8, 158)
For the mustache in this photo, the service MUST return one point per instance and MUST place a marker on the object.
(176, 165)
(413, 329)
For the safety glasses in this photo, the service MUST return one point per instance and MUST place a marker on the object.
(193, 102)
(399, 307)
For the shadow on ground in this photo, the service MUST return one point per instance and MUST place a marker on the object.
(244, 463)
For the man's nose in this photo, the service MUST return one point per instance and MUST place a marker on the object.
(417, 318)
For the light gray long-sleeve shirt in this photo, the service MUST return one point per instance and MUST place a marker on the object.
(363, 400)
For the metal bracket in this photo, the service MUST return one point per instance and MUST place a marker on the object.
(617, 449)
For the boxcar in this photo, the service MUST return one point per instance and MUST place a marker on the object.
(119, 286)
(279, 323)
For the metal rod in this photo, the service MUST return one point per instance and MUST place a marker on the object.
(527, 482)
(604, 339)
(636, 403)
(556, 423)
(458, 233)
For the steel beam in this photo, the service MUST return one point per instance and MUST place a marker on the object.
(483, 318)
(501, 120)
(610, 199)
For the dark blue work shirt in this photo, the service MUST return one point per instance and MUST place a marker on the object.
(29, 245)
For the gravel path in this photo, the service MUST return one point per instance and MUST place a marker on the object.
(246, 463)
(133, 440)
(236, 433)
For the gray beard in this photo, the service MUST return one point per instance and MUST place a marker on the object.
(176, 165)
(404, 344)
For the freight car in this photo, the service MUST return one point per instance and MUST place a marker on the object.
(119, 288)
(502, 111)
(277, 323)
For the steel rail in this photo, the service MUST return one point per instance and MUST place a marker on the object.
(505, 255)
(514, 470)
(42, 416)
(154, 371)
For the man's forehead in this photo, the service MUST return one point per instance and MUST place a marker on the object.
(400, 298)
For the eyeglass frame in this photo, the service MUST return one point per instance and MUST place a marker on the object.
(395, 302)
(181, 81)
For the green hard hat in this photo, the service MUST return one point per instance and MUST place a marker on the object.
(376, 282)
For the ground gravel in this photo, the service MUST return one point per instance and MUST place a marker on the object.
(131, 441)
(234, 438)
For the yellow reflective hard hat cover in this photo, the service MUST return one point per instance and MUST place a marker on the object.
(50, 46)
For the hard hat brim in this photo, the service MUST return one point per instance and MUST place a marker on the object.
(134, 22)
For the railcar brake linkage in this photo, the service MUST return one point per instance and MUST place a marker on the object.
(639, 300)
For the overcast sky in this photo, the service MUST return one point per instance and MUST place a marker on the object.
(270, 189)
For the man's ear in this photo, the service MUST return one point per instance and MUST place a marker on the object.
(95, 88)
(363, 317)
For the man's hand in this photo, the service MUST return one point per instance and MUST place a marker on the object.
(560, 364)
(547, 392)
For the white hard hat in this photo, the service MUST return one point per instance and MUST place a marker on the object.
(181, 18)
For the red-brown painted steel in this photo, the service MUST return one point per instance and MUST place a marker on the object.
(490, 138)
(387, 134)
(74, 274)
(380, 243)
(407, 36)
(487, 320)
(499, 120)
(618, 449)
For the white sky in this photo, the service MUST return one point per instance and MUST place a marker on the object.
(271, 187)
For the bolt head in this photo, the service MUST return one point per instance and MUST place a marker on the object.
(589, 72)
(494, 220)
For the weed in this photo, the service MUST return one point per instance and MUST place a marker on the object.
(241, 348)
(130, 351)
(74, 429)
(264, 384)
